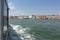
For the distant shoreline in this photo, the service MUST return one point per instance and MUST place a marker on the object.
(36, 17)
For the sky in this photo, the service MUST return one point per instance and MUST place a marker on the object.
(33, 7)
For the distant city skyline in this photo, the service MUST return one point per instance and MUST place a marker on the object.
(34, 7)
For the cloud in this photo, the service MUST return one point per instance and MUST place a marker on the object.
(17, 12)
(11, 6)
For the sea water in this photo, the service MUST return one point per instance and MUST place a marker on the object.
(36, 29)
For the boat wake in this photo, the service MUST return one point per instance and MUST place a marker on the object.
(23, 32)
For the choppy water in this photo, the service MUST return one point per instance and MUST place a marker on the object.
(36, 29)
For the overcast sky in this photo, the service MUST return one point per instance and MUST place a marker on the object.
(34, 7)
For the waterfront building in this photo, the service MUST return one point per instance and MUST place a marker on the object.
(33, 16)
(41, 17)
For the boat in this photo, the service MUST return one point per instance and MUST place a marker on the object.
(4, 10)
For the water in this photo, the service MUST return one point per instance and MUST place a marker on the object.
(36, 29)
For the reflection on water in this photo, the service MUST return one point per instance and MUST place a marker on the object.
(36, 29)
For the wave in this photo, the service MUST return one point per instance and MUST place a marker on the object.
(23, 32)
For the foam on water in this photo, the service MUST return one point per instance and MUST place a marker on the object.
(22, 32)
